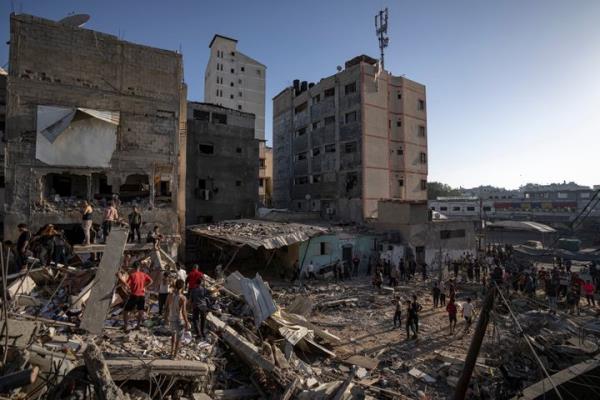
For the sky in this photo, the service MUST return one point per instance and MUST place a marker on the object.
(513, 86)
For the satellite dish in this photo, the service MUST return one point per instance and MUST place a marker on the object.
(76, 20)
(339, 68)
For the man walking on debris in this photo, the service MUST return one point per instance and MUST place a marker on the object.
(86, 222)
(402, 269)
(435, 291)
(398, 312)
(135, 222)
(111, 216)
(163, 292)
(416, 308)
(22, 246)
(311, 271)
(200, 299)
(467, 312)
(451, 309)
(442, 287)
(194, 278)
(355, 263)
(410, 321)
(137, 283)
(177, 316)
(552, 293)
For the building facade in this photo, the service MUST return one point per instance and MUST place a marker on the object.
(352, 139)
(221, 164)
(91, 117)
(265, 177)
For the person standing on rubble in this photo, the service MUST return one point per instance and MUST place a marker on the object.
(410, 322)
(467, 312)
(355, 263)
(398, 312)
(181, 272)
(22, 246)
(573, 297)
(552, 293)
(442, 287)
(86, 222)
(111, 216)
(589, 290)
(416, 309)
(137, 282)
(194, 279)
(402, 268)
(435, 291)
(311, 271)
(477, 269)
(163, 292)
(135, 222)
(176, 314)
(451, 310)
(155, 237)
(200, 298)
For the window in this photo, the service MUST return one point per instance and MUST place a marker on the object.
(232, 71)
(243, 69)
(562, 195)
(487, 208)
(399, 123)
(219, 118)
(201, 184)
(300, 108)
(443, 208)
(455, 208)
(423, 184)
(399, 151)
(231, 96)
(239, 94)
(330, 148)
(217, 79)
(233, 53)
(350, 117)
(240, 81)
(584, 195)
(302, 180)
(316, 99)
(206, 148)
(262, 163)
(239, 107)
(300, 132)
(329, 120)
(325, 248)
(200, 115)
(316, 125)
(231, 84)
(217, 93)
(350, 88)
(258, 72)
(399, 96)
(261, 182)
(421, 130)
(350, 147)
(316, 178)
(238, 183)
(389, 123)
(401, 182)
(421, 105)
(329, 92)
(470, 208)
(238, 150)
(316, 151)
(423, 158)
(301, 156)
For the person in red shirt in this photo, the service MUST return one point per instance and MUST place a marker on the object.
(136, 284)
(451, 309)
(194, 278)
(589, 290)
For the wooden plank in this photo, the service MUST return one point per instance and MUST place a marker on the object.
(142, 369)
(104, 282)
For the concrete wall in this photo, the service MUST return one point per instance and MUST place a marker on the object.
(55, 64)
(229, 174)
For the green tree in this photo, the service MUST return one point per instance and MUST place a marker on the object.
(438, 189)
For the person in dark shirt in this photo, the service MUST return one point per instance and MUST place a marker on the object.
(22, 245)
(201, 302)
(416, 309)
(135, 222)
(398, 312)
(436, 294)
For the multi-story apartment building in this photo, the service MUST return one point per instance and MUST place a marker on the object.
(234, 80)
(354, 138)
(265, 177)
(221, 164)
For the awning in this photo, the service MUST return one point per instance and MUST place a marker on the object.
(256, 234)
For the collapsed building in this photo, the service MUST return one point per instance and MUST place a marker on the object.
(90, 116)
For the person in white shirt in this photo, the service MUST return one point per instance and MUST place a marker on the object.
(467, 312)
(181, 273)
(311, 271)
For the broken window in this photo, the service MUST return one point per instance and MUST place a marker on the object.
(206, 148)
(329, 120)
(329, 92)
(200, 115)
(401, 182)
(487, 208)
(162, 187)
(421, 105)
(231, 96)
(399, 96)
(262, 163)
(301, 180)
(300, 132)
(316, 151)
(399, 151)
(443, 208)
(423, 158)
(421, 130)
(261, 182)
(238, 150)
(301, 156)
(136, 186)
(301, 108)
(399, 123)
(238, 183)
(240, 107)
(423, 184)
(219, 118)
(201, 184)
(350, 88)
(351, 181)
(325, 248)
(350, 147)
(316, 178)
(57, 186)
(232, 71)
(351, 117)
(330, 148)
(452, 233)
(470, 208)
(243, 69)
(455, 208)
(231, 84)
(316, 125)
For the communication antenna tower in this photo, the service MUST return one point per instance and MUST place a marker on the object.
(381, 25)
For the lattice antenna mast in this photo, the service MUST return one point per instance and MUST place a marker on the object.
(381, 25)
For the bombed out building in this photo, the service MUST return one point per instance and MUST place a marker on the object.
(90, 116)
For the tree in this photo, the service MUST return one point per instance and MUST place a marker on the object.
(438, 189)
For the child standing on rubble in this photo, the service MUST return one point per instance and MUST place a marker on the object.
(176, 314)
(163, 292)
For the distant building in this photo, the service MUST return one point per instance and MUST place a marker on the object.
(236, 81)
(3, 76)
(221, 164)
(265, 177)
(352, 139)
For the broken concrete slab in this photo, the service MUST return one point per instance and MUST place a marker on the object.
(417, 373)
(142, 369)
(362, 361)
(103, 284)
(302, 305)
(23, 285)
(20, 333)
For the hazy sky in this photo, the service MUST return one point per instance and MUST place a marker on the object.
(513, 87)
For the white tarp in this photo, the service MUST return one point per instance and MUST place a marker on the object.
(76, 136)
(255, 292)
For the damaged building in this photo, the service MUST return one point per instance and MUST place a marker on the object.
(352, 139)
(91, 117)
(222, 165)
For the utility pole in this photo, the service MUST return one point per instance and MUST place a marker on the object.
(482, 323)
(381, 23)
